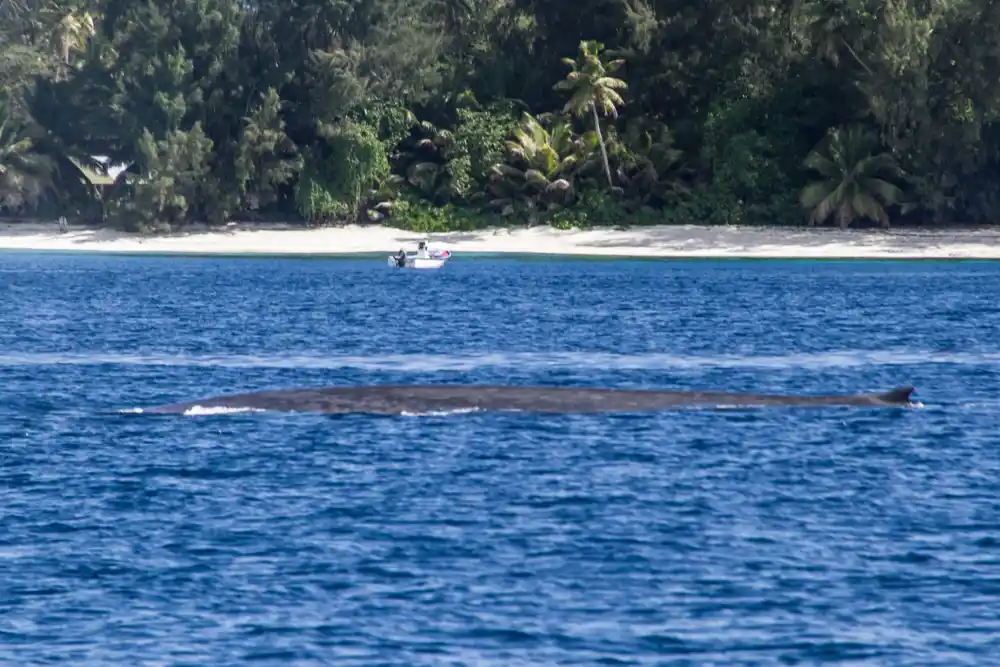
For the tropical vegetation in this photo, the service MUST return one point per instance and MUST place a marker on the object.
(455, 114)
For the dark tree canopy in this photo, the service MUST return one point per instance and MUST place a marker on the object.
(435, 114)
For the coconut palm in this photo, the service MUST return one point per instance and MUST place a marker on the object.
(831, 26)
(25, 175)
(426, 158)
(649, 167)
(14, 11)
(71, 33)
(854, 181)
(540, 168)
(593, 90)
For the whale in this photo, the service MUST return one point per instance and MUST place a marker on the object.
(423, 399)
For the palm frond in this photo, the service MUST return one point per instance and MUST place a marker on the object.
(610, 82)
(814, 193)
(823, 165)
(863, 204)
(888, 193)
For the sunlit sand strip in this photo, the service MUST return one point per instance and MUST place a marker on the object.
(680, 241)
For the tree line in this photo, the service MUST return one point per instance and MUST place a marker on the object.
(455, 114)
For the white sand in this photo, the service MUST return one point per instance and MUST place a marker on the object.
(665, 241)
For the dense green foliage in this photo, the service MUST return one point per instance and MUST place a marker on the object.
(453, 114)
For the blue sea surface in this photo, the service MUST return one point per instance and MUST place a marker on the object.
(691, 537)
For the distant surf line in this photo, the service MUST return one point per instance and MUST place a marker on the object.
(517, 360)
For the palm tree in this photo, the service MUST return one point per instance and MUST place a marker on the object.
(541, 168)
(832, 25)
(71, 33)
(593, 90)
(14, 10)
(649, 166)
(25, 175)
(854, 181)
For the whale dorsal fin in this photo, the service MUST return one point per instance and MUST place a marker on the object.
(897, 395)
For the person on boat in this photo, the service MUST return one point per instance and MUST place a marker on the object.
(401, 258)
(422, 250)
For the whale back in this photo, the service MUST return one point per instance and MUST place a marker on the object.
(897, 396)
(404, 399)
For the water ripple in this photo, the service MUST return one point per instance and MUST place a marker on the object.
(842, 359)
(738, 538)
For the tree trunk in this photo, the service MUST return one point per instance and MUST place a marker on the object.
(600, 140)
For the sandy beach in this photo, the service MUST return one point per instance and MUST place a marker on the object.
(665, 241)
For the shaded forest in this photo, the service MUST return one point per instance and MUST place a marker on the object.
(456, 114)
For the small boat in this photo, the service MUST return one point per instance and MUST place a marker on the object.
(434, 259)
(414, 262)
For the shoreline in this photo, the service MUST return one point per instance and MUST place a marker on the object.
(662, 242)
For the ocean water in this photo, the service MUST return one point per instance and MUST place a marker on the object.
(692, 537)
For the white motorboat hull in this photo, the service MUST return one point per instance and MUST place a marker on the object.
(434, 259)
(419, 263)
